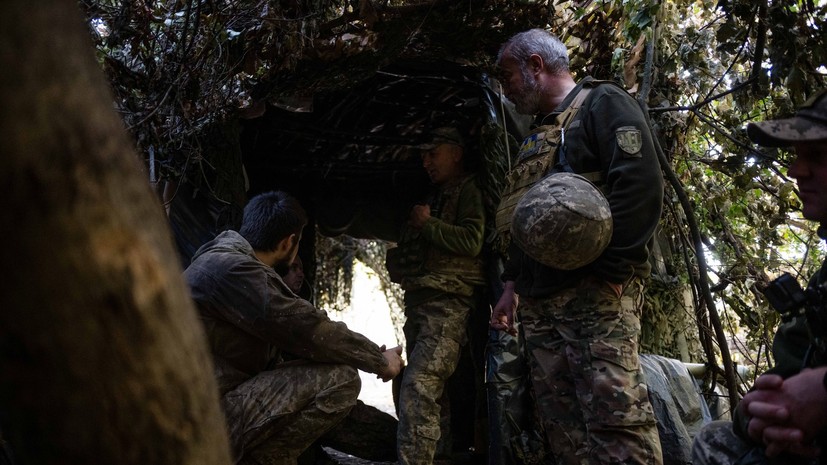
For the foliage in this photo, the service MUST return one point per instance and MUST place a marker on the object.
(703, 68)
(336, 275)
(721, 68)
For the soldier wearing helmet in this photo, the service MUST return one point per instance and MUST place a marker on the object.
(781, 420)
(580, 313)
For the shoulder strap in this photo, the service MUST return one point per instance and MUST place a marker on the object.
(595, 177)
(568, 114)
(565, 120)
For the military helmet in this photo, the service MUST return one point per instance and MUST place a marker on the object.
(563, 221)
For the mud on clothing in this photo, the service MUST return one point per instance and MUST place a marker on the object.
(250, 316)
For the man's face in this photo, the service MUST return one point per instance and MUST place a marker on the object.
(443, 163)
(295, 275)
(810, 172)
(519, 86)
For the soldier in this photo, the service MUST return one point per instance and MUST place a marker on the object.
(443, 240)
(294, 276)
(782, 419)
(273, 414)
(582, 319)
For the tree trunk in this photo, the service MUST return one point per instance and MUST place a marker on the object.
(102, 359)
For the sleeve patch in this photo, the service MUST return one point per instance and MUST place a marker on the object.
(629, 140)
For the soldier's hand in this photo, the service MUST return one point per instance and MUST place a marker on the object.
(759, 406)
(502, 317)
(788, 414)
(395, 363)
(419, 215)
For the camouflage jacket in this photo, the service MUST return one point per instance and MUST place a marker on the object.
(450, 242)
(609, 138)
(249, 314)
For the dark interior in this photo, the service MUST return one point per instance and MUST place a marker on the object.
(352, 160)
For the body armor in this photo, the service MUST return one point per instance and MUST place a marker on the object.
(538, 153)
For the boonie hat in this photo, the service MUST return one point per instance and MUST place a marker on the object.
(444, 135)
(808, 125)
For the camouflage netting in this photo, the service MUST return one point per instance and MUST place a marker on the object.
(336, 257)
(668, 325)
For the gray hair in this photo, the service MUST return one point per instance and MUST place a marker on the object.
(541, 42)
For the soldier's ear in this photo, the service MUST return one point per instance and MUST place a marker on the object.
(458, 153)
(285, 246)
(535, 63)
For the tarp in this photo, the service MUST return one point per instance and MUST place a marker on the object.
(679, 406)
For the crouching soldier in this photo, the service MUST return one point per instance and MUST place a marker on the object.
(274, 411)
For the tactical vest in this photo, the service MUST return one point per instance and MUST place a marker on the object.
(427, 266)
(437, 260)
(537, 155)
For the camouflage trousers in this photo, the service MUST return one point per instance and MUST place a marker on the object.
(434, 333)
(717, 444)
(276, 415)
(586, 377)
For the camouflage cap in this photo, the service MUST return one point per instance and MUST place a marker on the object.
(808, 125)
(444, 135)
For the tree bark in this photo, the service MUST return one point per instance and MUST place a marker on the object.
(101, 354)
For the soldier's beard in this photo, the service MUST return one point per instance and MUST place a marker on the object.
(527, 98)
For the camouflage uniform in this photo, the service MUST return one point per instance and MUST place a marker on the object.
(438, 301)
(277, 414)
(274, 409)
(717, 444)
(586, 375)
(581, 338)
(434, 334)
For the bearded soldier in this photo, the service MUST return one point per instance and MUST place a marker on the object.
(581, 315)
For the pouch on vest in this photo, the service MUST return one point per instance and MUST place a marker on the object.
(405, 260)
(536, 156)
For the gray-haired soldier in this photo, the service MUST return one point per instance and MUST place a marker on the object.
(582, 325)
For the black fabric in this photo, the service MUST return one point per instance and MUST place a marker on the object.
(633, 187)
(197, 217)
